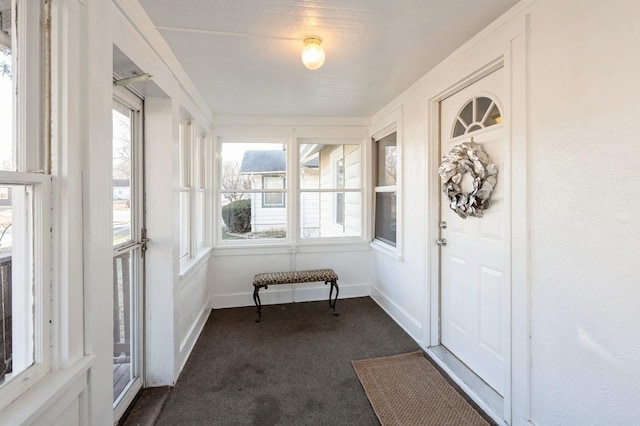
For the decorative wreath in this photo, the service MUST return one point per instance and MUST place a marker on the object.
(468, 157)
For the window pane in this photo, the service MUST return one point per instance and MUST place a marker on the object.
(319, 214)
(122, 320)
(245, 218)
(185, 149)
(386, 160)
(244, 165)
(121, 174)
(482, 105)
(494, 117)
(184, 224)
(339, 208)
(7, 162)
(16, 280)
(386, 217)
(200, 215)
(327, 166)
(466, 115)
(273, 199)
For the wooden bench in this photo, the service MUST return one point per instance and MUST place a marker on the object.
(266, 279)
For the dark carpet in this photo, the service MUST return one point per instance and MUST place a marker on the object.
(293, 368)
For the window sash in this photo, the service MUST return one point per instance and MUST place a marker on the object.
(385, 191)
(32, 271)
(30, 138)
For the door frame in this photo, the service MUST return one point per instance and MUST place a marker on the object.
(508, 49)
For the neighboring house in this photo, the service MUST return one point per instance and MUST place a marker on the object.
(121, 189)
(330, 167)
(322, 167)
(266, 170)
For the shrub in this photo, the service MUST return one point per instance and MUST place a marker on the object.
(237, 216)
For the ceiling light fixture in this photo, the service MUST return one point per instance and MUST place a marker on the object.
(313, 53)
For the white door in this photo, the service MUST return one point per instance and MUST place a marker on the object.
(473, 262)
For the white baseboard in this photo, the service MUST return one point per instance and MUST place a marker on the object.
(189, 341)
(286, 293)
(399, 315)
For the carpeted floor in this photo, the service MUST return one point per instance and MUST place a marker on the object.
(293, 368)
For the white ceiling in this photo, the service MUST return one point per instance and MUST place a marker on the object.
(244, 55)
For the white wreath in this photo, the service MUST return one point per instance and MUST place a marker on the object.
(468, 157)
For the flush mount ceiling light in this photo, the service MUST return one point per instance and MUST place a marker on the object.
(313, 53)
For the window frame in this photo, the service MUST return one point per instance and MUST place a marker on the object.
(31, 162)
(292, 192)
(185, 191)
(192, 192)
(40, 277)
(283, 196)
(386, 126)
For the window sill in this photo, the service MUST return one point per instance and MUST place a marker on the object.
(33, 403)
(189, 267)
(289, 248)
(386, 249)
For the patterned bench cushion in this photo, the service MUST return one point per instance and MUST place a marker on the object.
(273, 278)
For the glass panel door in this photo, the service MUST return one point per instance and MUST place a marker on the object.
(127, 250)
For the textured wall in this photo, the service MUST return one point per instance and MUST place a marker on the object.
(585, 188)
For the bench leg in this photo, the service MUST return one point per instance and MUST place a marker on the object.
(256, 300)
(332, 304)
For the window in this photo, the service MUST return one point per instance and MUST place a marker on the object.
(186, 189)
(200, 161)
(193, 177)
(255, 185)
(330, 190)
(476, 114)
(25, 237)
(252, 191)
(273, 199)
(385, 193)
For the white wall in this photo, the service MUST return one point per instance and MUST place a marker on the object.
(583, 182)
(585, 187)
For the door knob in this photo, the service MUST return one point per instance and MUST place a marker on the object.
(441, 242)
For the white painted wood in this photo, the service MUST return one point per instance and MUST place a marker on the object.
(474, 274)
(356, 79)
(95, 98)
(162, 266)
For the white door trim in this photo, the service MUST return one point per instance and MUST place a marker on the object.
(510, 52)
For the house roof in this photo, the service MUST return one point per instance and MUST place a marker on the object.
(264, 161)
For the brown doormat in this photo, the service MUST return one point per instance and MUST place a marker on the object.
(407, 390)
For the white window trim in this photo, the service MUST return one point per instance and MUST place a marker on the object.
(194, 175)
(392, 122)
(292, 186)
(218, 191)
(41, 279)
(361, 190)
(30, 149)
